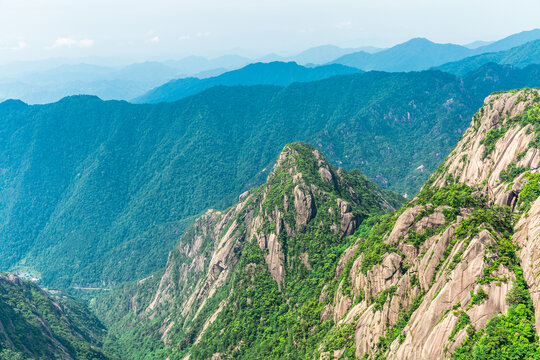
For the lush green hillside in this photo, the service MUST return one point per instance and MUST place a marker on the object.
(33, 325)
(97, 192)
(493, 77)
(274, 73)
(520, 56)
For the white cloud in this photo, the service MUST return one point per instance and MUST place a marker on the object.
(344, 25)
(19, 46)
(60, 42)
(70, 42)
(155, 39)
(200, 34)
(85, 43)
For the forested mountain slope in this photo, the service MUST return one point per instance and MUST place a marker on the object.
(493, 77)
(451, 275)
(96, 193)
(33, 325)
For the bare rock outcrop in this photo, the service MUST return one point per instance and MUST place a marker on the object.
(469, 162)
(403, 223)
(304, 205)
(431, 221)
(428, 331)
(527, 236)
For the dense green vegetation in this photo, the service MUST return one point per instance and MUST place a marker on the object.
(154, 161)
(96, 193)
(257, 317)
(509, 336)
(530, 192)
(511, 172)
(491, 139)
(34, 325)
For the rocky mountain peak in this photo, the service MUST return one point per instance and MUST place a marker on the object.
(301, 159)
(304, 213)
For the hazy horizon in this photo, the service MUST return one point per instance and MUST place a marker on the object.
(164, 29)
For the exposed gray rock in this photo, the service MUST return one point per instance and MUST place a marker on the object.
(403, 224)
(326, 175)
(304, 205)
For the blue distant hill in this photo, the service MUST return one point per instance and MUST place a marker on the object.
(274, 73)
(421, 54)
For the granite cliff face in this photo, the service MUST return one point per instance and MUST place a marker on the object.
(310, 266)
(454, 252)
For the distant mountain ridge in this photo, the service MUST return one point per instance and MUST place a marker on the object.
(274, 73)
(323, 54)
(421, 54)
(413, 55)
(122, 83)
(50, 80)
(511, 41)
(520, 56)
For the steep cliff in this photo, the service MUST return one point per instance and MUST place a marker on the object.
(447, 275)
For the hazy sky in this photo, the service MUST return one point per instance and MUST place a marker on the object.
(158, 29)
